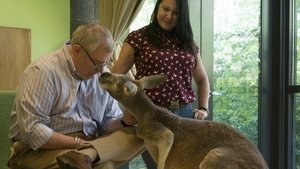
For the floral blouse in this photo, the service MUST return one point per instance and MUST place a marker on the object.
(172, 60)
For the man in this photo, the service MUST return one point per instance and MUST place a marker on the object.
(61, 116)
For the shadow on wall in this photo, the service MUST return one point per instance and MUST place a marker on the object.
(6, 102)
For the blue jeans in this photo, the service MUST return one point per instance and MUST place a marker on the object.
(185, 111)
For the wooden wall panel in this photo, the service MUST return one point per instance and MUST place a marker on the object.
(15, 55)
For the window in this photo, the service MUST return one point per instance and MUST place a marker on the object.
(295, 81)
(144, 16)
(297, 134)
(228, 33)
(250, 49)
(236, 46)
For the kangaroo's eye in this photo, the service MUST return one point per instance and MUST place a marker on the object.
(118, 84)
(115, 85)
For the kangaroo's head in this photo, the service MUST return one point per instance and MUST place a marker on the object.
(122, 88)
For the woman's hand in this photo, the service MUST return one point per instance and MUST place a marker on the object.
(200, 114)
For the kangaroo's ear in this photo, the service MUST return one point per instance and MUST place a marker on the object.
(149, 82)
(130, 88)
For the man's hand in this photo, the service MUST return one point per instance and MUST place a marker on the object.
(128, 118)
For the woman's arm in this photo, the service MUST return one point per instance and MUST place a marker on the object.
(203, 89)
(125, 60)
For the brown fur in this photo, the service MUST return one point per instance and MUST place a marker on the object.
(180, 143)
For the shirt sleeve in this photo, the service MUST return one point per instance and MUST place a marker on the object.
(112, 112)
(136, 39)
(33, 105)
(112, 109)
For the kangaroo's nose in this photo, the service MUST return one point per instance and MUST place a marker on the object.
(105, 74)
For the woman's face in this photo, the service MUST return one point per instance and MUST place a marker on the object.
(167, 14)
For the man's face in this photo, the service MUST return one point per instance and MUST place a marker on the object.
(94, 62)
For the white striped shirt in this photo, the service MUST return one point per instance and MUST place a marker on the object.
(50, 98)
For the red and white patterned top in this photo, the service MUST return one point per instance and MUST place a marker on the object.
(172, 60)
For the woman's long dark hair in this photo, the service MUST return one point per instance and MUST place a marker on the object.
(182, 30)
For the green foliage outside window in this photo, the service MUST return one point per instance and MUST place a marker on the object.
(236, 64)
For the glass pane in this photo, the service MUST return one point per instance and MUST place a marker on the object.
(296, 81)
(144, 16)
(297, 136)
(297, 58)
(236, 64)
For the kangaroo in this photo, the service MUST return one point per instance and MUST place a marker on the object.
(181, 143)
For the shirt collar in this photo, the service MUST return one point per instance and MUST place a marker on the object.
(70, 64)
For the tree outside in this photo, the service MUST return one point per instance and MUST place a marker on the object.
(236, 64)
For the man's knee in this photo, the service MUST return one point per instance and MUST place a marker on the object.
(131, 138)
(16, 153)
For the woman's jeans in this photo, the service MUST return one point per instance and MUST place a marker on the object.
(185, 111)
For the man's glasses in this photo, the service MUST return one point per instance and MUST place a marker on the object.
(97, 65)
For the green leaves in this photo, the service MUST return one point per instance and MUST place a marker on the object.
(236, 65)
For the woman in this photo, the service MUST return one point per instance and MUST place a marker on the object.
(166, 46)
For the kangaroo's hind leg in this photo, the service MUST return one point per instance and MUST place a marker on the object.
(220, 158)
